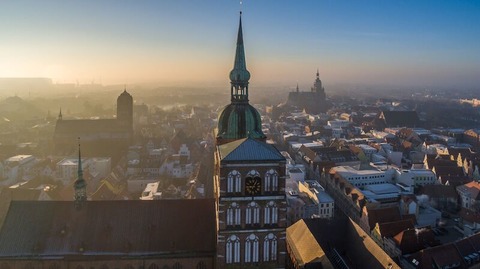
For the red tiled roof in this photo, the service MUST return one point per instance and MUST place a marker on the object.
(382, 215)
(57, 228)
(441, 170)
(412, 240)
(469, 216)
(473, 188)
(390, 229)
(454, 181)
(440, 256)
(440, 191)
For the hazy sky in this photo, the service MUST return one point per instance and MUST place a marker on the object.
(180, 41)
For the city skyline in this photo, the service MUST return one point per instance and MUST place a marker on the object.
(399, 43)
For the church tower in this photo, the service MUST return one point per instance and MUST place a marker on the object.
(318, 88)
(249, 180)
(125, 109)
(80, 184)
(239, 119)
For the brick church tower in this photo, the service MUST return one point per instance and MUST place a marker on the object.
(249, 182)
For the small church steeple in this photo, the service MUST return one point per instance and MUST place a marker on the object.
(80, 185)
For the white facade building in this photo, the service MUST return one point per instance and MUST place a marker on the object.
(98, 167)
(416, 177)
(14, 168)
(151, 192)
(367, 150)
(362, 178)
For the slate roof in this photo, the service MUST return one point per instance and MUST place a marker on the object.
(249, 149)
(57, 228)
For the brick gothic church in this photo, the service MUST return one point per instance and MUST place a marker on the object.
(249, 182)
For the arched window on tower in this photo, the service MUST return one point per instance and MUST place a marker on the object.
(251, 248)
(253, 174)
(270, 248)
(270, 214)
(233, 215)
(252, 214)
(234, 182)
(232, 249)
(271, 181)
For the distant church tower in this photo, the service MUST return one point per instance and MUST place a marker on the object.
(249, 180)
(317, 85)
(314, 101)
(80, 184)
(125, 109)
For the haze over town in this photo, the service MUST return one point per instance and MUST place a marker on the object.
(260, 134)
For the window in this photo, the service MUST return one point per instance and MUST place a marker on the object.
(177, 265)
(232, 250)
(270, 248)
(234, 182)
(271, 181)
(251, 248)
(233, 215)
(153, 266)
(252, 214)
(270, 213)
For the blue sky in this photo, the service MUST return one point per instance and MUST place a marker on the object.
(424, 43)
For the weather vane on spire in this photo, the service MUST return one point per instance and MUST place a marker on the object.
(241, 7)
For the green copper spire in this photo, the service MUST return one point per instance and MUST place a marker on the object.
(239, 76)
(239, 119)
(80, 185)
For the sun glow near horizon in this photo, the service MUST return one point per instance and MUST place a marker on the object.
(179, 41)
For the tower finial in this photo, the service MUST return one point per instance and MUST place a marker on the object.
(60, 114)
(297, 86)
(318, 74)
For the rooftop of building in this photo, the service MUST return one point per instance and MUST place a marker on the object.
(119, 228)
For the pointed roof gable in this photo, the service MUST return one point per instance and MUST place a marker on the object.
(249, 149)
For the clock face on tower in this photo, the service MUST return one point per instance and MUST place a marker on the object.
(252, 186)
